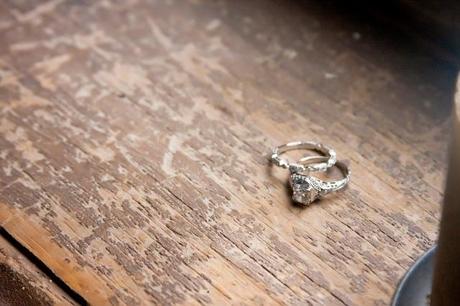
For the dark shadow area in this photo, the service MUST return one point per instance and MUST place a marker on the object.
(417, 39)
(430, 25)
(17, 290)
(405, 58)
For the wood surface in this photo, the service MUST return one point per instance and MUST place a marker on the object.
(134, 137)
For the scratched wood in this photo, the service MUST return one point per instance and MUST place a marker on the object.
(134, 136)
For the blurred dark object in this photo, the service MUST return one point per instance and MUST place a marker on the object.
(446, 284)
(443, 281)
(415, 287)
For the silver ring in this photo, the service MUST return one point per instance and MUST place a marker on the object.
(306, 188)
(309, 163)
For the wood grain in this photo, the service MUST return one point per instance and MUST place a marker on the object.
(133, 143)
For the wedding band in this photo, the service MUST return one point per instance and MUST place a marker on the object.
(306, 188)
(309, 163)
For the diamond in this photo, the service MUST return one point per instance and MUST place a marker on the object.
(302, 190)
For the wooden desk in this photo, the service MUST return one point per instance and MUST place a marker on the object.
(133, 143)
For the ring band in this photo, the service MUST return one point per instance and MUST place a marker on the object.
(307, 189)
(309, 163)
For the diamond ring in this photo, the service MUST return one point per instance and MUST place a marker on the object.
(306, 188)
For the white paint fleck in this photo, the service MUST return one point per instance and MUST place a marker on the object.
(8, 169)
(29, 152)
(107, 178)
(105, 154)
(126, 78)
(28, 183)
(91, 40)
(133, 137)
(236, 94)
(66, 169)
(80, 156)
(356, 35)
(161, 37)
(175, 143)
(290, 53)
(122, 170)
(23, 46)
(18, 137)
(3, 154)
(85, 91)
(53, 64)
(40, 113)
(213, 24)
(37, 12)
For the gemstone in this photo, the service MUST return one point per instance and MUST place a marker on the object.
(302, 190)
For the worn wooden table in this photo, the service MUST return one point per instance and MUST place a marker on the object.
(133, 144)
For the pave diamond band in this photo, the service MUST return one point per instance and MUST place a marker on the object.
(307, 188)
(310, 163)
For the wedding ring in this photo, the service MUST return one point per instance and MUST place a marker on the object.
(306, 188)
(309, 163)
